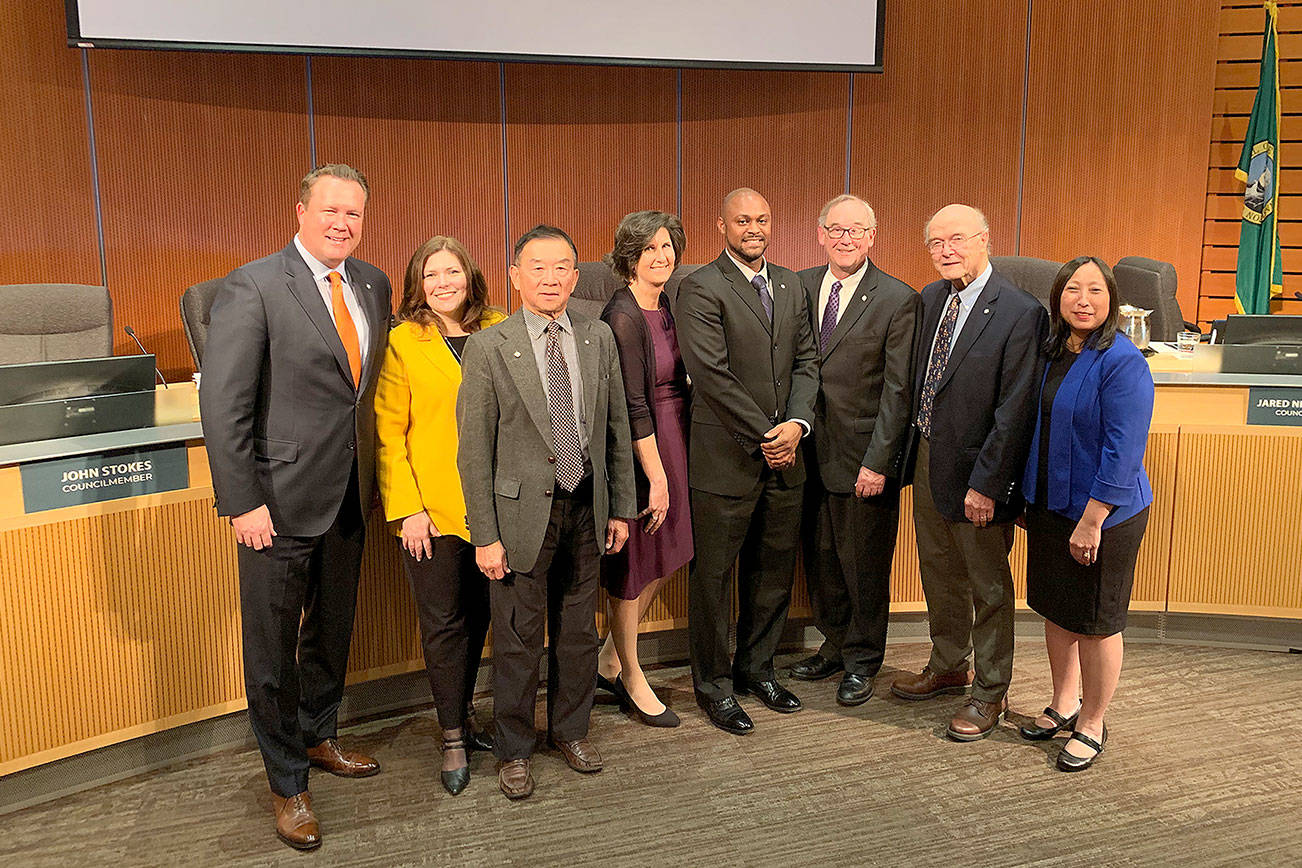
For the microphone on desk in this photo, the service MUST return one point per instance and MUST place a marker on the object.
(132, 334)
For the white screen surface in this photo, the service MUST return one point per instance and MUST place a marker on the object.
(837, 34)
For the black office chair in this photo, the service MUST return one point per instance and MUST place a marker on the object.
(196, 302)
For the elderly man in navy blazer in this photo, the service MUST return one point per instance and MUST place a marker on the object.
(977, 369)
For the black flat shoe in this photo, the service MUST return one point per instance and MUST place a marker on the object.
(772, 694)
(1070, 763)
(666, 719)
(1031, 732)
(727, 715)
(455, 781)
(815, 668)
(854, 689)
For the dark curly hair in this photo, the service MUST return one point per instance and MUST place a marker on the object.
(635, 232)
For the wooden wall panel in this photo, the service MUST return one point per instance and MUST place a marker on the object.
(1238, 65)
(200, 156)
(584, 148)
(1117, 131)
(782, 133)
(940, 125)
(427, 135)
(46, 186)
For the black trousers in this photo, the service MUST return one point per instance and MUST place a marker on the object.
(760, 527)
(297, 600)
(560, 595)
(452, 604)
(849, 547)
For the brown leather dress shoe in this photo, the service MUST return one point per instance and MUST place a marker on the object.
(928, 684)
(296, 825)
(514, 779)
(345, 763)
(977, 719)
(580, 755)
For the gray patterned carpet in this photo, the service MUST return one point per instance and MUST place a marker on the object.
(1203, 767)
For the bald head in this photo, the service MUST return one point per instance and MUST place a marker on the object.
(744, 221)
(958, 239)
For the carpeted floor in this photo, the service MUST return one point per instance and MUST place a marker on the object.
(1203, 767)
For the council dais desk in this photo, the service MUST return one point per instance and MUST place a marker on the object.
(122, 618)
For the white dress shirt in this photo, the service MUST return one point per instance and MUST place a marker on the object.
(321, 274)
(848, 286)
(967, 297)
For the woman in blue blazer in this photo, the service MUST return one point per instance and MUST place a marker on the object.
(1087, 503)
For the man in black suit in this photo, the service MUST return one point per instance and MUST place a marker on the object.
(865, 322)
(744, 332)
(976, 384)
(289, 372)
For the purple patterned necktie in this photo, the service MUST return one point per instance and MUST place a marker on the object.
(758, 282)
(560, 404)
(829, 316)
(936, 367)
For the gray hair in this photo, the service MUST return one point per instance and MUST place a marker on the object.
(846, 197)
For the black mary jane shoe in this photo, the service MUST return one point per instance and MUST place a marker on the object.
(1071, 763)
(665, 719)
(455, 781)
(476, 738)
(1031, 732)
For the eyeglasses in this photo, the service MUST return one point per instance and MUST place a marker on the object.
(954, 242)
(856, 233)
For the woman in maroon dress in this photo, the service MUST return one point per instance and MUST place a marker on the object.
(648, 245)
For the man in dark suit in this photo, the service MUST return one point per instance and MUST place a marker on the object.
(975, 385)
(546, 465)
(745, 336)
(865, 322)
(289, 377)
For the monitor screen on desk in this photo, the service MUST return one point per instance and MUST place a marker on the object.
(33, 382)
(1263, 330)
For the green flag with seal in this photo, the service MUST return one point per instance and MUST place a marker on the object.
(1260, 274)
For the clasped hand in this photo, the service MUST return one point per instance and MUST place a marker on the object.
(779, 446)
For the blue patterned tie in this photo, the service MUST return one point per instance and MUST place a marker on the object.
(560, 404)
(936, 367)
(829, 316)
(758, 282)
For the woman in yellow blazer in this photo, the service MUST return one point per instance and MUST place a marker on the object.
(445, 299)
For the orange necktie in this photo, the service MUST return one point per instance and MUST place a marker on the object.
(346, 327)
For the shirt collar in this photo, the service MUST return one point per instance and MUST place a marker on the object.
(852, 281)
(967, 295)
(319, 270)
(746, 272)
(536, 324)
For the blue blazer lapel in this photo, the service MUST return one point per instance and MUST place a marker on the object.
(1066, 401)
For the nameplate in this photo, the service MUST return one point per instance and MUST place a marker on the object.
(100, 476)
(1274, 405)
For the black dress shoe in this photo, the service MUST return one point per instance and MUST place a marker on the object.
(476, 738)
(726, 714)
(1031, 732)
(854, 689)
(604, 683)
(1071, 763)
(815, 668)
(455, 780)
(772, 694)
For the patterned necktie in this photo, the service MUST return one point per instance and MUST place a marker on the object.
(346, 327)
(758, 282)
(560, 404)
(936, 367)
(829, 316)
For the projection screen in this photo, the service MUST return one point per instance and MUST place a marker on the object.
(842, 35)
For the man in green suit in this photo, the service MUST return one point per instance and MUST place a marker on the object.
(546, 464)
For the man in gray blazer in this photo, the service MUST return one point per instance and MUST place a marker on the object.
(546, 465)
(289, 373)
(865, 321)
(745, 336)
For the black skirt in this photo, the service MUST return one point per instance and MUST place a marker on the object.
(1092, 599)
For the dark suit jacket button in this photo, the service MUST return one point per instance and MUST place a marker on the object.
(551, 459)
(547, 493)
(351, 445)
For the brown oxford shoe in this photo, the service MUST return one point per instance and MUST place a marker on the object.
(928, 685)
(580, 755)
(345, 763)
(977, 719)
(514, 779)
(296, 825)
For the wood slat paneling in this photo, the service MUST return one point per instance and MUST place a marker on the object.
(782, 133)
(427, 134)
(200, 155)
(581, 155)
(940, 125)
(46, 186)
(1094, 134)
